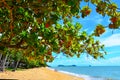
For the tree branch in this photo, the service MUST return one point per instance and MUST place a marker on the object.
(11, 15)
(18, 46)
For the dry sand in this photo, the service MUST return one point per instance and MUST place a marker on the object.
(37, 74)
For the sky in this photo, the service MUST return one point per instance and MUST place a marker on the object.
(111, 40)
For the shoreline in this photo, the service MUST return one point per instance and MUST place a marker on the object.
(85, 77)
(38, 74)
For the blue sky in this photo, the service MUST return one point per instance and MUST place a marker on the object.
(111, 40)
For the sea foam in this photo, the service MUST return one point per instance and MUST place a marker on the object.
(85, 77)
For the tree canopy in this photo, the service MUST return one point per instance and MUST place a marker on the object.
(31, 28)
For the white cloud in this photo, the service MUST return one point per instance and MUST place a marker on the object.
(97, 19)
(87, 61)
(105, 62)
(111, 61)
(113, 40)
(114, 60)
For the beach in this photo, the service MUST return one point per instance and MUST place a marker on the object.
(92, 72)
(43, 73)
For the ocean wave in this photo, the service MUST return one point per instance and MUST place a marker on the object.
(85, 77)
(98, 73)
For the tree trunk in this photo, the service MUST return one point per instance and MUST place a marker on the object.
(0, 56)
(0, 62)
(4, 62)
(8, 62)
(16, 65)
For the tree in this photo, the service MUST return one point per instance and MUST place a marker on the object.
(32, 28)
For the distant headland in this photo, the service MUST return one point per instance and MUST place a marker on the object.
(67, 65)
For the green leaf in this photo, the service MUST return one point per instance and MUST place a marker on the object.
(20, 10)
(23, 33)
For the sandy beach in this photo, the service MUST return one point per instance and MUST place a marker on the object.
(37, 74)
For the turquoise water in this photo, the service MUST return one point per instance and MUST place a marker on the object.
(95, 72)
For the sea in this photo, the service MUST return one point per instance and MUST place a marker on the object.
(91, 72)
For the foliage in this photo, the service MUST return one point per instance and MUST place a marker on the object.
(31, 28)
